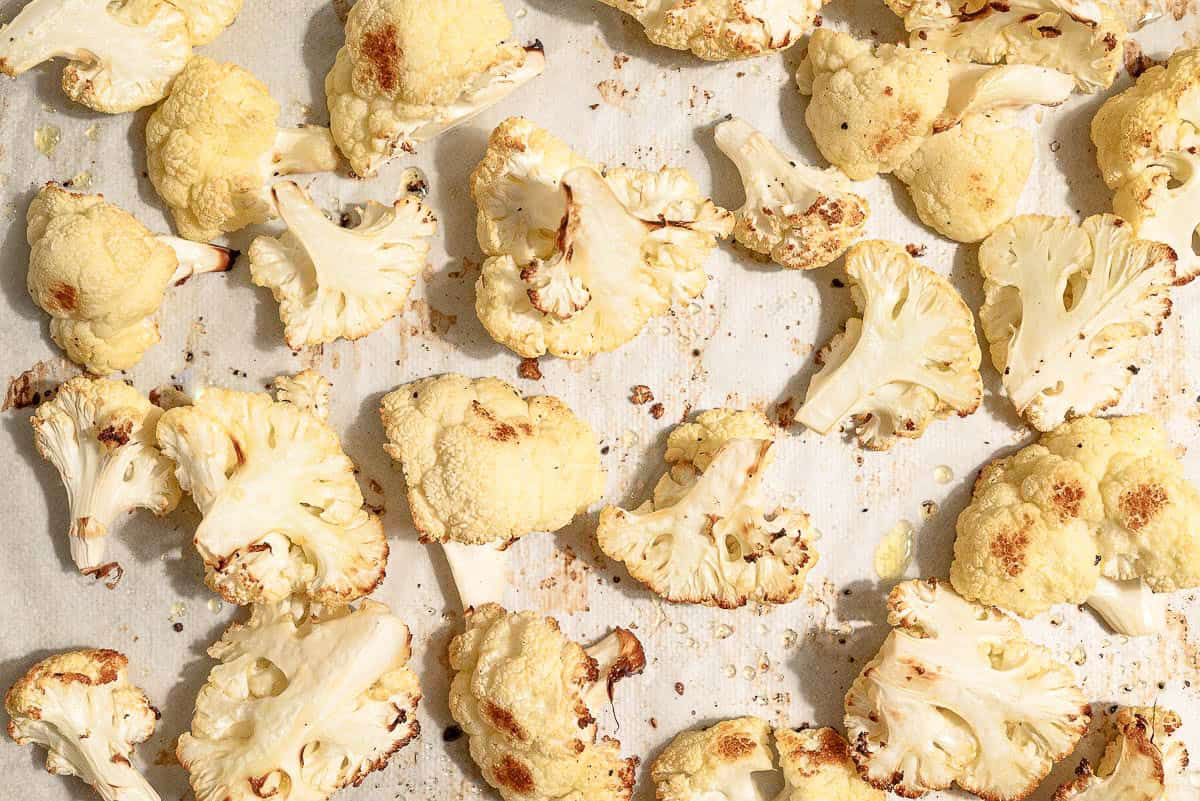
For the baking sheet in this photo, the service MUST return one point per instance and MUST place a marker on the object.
(749, 343)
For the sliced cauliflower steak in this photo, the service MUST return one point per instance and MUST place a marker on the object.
(99, 435)
(798, 216)
(1135, 764)
(81, 706)
(305, 702)
(334, 282)
(957, 695)
(282, 511)
(1065, 309)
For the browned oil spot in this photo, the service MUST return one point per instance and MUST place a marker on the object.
(1067, 499)
(503, 720)
(381, 51)
(511, 774)
(734, 746)
(1141, 505)
(1009, 548)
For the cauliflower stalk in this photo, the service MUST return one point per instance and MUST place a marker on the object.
(213, 146)
(99, 435)
(412, 69)
(306, 701)
(705, 537)
(580, 258)
(81, 706)
(798, 216)
(282, 512)
(911, 357)
(333, 282)
(1065, 309)
(1098, 511)
(957, 694)
(527, 699)
(1148, 146)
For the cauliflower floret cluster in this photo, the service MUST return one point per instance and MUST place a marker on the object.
(484, 464)
(958, 695)
(306, 701)
(1148, 144)
(722, 30)
(81, 706)
(527, 699)
(580, 258)
(411, 69)
(705, 537)
(1066, 308)
(307, 390)
(334, 282)
(1094, 502)
(798, 216)
(283, 513)
(206, 19)
(912, 356)
(213, 145)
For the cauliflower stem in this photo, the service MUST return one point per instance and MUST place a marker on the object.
(480, 572)
(1130, 607)
(308, 148)
(197, 258)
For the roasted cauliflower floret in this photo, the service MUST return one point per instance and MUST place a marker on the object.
(817, 766)
(527, 699)
(81, 707)
(705, 537)
(411, 69)
(333, 282)
(213, 145)
(958, 695)
(722, 30)
(306, 701)
(282, 512)
(484, 464)
(307, 390)
(206, 19)
(798, 216)
(1065, 309)
(1148, 146)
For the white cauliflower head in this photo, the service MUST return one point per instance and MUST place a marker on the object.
(99, 435)
(484, 464)
(527, 699)
(798, 216)
(206, 19)
(705, 536)
(722, 30)
(958, 695)
(306, 701)
(411, 69)
(1148, 144)
(911, 357)
(335, 282)
(580, 259)
(81, 707)
(283, 513)
(307, 390)
(1065, 309)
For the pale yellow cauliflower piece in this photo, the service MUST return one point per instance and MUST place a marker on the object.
(817, 766)
(484, 464)
(206, 19)
(307, 390)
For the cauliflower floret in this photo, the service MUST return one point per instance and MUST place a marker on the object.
(333, 282)
(206, 19)
(957, 694)
(1148, 145)
(81, 706)
(704, 537)
(817, 766)
(1079, 37)
(212, 147)
(101, 275)
(527, 699)
(282, 511)
(411, 69)
(306, 701)
(911, 357)
(722, 30)
(99, 435)
(1141, 749)
(799, 216)
(1065, 307)
(122, 54)
(484, 464)
(307, 390)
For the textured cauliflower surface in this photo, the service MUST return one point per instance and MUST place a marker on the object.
(817, 766)
(484, 464)
(305, 702)
(283, 513)
(1065, 310)
(705, 537)
(206, 19)
(307, 390)
(1143, 758)
(958, 695)
(81, 707)
(519, 692)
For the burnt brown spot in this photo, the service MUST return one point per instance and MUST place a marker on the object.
(513, 775)
(64, 297)
(111, 574)
(382, 52)
(1010, 547)
(503, 720)
(530, 370)
(1067, 499)
(114, 436)
(503, 432)
(1049, 32)
(256, 786)
(640, 394)
(1139, 506)
(1110, 42)
(734, 747)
